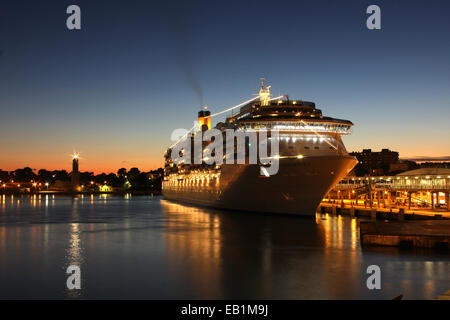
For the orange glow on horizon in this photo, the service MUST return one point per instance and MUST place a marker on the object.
(97, 167)
(109, 156)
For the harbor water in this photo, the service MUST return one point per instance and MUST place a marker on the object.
(149, 248)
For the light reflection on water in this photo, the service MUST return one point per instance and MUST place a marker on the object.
(144, 247)
(74, 252)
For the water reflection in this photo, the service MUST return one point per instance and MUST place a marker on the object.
(194, 237)
(74, 252)
(244, 255)
(262, 253)
(160, 249)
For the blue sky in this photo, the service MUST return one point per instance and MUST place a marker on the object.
(116, 89)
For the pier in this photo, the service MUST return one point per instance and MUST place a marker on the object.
(444, 296)
(358, 209)
(422, 234)
(422, 192)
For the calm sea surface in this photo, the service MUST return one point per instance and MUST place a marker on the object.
(148, 248)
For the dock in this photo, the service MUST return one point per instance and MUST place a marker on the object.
(421, 234)
(444, 296)
(381, 213)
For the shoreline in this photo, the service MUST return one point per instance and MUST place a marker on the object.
(69, 193)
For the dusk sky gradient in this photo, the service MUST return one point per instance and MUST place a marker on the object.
(115, 90)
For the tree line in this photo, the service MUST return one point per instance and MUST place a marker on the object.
(134, 179)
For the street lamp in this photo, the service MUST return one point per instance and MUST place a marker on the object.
(46, 184)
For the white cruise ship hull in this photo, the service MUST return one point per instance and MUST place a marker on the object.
(297, 188)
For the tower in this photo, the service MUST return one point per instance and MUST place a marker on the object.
(75, 174)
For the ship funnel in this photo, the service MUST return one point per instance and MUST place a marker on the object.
(204, 118)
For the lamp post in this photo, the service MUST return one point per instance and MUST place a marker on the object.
(46, 184)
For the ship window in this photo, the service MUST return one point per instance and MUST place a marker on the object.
(306, 147)
(317, 148)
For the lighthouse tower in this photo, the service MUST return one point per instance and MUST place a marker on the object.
(75, 174)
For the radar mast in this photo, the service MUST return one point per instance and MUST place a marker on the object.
(264, 94)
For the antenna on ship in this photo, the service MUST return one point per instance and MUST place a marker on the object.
(264, 94)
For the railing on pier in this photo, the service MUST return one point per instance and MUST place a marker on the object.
(396, 183)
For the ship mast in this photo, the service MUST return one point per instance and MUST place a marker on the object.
(264, 94)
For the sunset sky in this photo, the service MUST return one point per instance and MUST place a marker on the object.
(115, 90)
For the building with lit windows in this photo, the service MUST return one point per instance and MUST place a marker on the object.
(420, 188)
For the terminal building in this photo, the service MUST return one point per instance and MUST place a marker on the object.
(427, 188)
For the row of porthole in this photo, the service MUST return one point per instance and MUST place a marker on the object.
(317, 148)
(193, 182)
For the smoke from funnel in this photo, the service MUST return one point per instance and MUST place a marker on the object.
(178, 18)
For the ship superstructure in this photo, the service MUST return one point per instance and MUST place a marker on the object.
(312, 159)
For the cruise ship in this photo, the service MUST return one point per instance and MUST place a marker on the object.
(311, 154)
